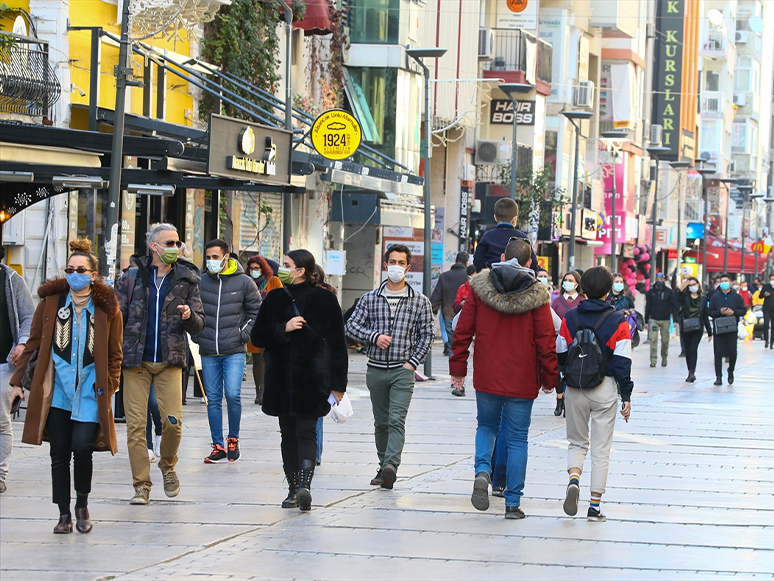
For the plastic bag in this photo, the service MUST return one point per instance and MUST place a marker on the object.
(342, 411)
(742, 332)
(454, 321)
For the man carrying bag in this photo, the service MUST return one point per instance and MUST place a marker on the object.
(725, 307)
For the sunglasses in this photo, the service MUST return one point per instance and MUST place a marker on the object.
(171, 243)
(79, 270)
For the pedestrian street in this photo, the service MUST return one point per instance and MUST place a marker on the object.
(689, 495)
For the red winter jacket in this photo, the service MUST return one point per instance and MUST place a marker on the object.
(515, 352)
(462, 294)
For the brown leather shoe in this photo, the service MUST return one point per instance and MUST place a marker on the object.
(65, 525)
(82, 520)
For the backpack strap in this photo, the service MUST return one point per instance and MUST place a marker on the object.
(601, 321)
(573, 314)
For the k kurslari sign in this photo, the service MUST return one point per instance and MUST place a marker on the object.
(249, 151)
(336, 134)
(668, 79)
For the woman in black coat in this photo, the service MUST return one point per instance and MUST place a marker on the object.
(693, 311)
(301, 331)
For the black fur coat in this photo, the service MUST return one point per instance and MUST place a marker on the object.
(302, 367)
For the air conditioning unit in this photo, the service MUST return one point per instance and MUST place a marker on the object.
(740, 100)
(485, 43)
(584, 95)
(656, 132)
(489, 152)
(709, 156)
(742, 36)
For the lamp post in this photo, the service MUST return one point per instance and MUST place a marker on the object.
(513, 89)
(655, 152)
(755, 197)
(287, 198)
(619, 136)
(746, 190)
(678, 165)
(572, 117)
(727, 182)
(418, 54)
(705, 173)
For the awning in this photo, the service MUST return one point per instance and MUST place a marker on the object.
(716, 253)
(317, 20)
(23, 153)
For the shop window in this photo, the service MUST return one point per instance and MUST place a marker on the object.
(376, 92)
(374, 21)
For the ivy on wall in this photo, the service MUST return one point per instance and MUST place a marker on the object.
(243, 41)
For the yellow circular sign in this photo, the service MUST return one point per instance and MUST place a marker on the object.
(336, 134)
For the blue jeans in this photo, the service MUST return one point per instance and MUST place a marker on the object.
(518, 414)
(223, 375)
(319, 438)
(500, 456)
(154, 419)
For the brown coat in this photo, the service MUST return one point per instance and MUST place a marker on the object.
(108, 330)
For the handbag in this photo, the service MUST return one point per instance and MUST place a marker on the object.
(26, 380)
(725, 325)
(691, 325)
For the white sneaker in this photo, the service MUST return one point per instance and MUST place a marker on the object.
(151, 455)
(157, 446)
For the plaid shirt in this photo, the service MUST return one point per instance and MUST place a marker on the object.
(411, 329)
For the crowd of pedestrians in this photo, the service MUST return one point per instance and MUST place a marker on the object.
(85, 339)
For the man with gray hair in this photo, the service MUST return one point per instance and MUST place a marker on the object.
(16, 311)
(160, 303)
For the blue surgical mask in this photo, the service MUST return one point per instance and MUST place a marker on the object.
(215, 266)
(725, 285)
(618, 287)
(77, 281)
(569, 286)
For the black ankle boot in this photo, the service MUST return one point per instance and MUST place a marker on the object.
(304, 494)
(559, 407)
(290, 501)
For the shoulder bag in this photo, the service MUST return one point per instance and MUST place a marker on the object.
(725, 325)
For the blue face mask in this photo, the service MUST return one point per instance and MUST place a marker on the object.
(77, 281)
(725, 285)
(618, 286)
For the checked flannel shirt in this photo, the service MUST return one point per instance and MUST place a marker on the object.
(411, 329)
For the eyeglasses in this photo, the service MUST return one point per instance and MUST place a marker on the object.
(79, 270)
(171, 243)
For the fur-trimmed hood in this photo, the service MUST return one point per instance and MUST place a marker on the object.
(522, 292)
(103, 296)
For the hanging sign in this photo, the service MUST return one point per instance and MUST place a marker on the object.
(336, 134)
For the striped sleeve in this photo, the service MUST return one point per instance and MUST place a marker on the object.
(621, 365)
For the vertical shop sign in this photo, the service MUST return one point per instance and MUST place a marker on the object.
(465, 199)
(667, 87)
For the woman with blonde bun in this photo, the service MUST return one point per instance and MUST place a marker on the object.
(71, 366)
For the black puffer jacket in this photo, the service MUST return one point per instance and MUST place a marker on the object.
(231, 303)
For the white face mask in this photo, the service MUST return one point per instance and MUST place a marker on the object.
(543, 279)
(215, 266)
(396, 273)
(693, 288)
(569, 287)
(255, 273)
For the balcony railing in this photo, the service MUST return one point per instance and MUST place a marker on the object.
(712, 102)
(715, 41)
(28, 84)
(518, 50)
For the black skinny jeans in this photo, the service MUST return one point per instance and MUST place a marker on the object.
(691, 342)
(768, 326)
(70, 439)
(299, 441)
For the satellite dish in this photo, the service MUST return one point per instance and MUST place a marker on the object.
(715, 17)
(756, 24)
(20, 26)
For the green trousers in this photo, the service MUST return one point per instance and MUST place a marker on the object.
(655, 328)
(391, 391)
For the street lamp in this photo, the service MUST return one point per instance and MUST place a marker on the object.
(727, 182)
(513, 89)
(678, 165)
(618, 136)
(755, 197)
(418, 54)
(705, 173)
(746, 190)
(655, 151)
(572, 117)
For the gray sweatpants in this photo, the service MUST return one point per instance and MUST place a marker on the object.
(598, 407)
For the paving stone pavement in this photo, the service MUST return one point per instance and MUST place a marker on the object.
(689, 496)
